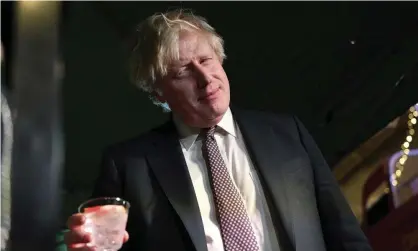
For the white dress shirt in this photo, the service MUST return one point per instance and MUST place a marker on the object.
(241, 169)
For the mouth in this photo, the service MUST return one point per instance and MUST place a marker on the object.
(210, 96)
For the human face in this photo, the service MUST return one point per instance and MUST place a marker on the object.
(196, 87)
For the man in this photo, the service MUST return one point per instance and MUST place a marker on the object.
(215, 178)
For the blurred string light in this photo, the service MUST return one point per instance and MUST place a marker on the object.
(412, 121)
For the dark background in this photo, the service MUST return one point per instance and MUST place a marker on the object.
(345, 68)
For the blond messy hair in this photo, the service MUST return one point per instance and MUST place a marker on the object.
(156, 45)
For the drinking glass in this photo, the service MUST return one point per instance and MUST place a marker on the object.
(106, 221)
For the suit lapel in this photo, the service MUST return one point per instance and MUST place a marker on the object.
(267, 152)
(168, 163)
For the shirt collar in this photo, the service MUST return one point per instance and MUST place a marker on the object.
(188, 135)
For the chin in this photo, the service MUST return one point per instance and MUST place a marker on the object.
(206, 115)
(218, 107)
(216, 111)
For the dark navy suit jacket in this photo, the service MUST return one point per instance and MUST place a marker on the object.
(308, 209)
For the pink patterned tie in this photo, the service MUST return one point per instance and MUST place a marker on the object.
(237, 232)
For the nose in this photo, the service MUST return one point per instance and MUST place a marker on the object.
(203, 76)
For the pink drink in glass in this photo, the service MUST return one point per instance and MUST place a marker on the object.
(106, 221)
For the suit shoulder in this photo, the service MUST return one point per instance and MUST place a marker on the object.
(137, 145)
(283, 123)
(283, 118)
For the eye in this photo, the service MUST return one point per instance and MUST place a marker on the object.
(205, 60)
(181, 73)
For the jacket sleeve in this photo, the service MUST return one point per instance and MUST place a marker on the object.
(340, 228)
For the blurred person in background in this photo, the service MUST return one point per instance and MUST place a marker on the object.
(6, 157)
(216, 177)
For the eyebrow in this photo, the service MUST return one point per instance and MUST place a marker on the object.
(182, 62)
(177, 66)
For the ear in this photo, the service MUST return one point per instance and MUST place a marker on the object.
(159, 96)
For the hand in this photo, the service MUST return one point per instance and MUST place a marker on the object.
(78, 240)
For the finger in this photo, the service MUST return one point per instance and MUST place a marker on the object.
(125, 237)
(81, 247)
(77, 236)
(75, 220)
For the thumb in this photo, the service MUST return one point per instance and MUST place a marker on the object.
(125, 237)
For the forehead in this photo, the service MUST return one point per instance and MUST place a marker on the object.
(193, 45)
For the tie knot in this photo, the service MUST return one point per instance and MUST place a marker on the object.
(208, 132)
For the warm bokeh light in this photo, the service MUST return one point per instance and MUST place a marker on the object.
(413, 113)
